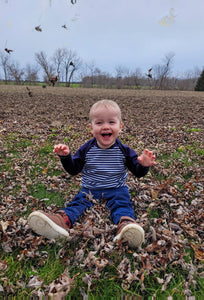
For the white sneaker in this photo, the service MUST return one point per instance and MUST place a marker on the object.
(128, 230)
(51, 226)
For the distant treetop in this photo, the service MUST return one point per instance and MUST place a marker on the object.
(200, 82)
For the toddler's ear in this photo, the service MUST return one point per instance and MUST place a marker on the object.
(90, 127)
(121, 126)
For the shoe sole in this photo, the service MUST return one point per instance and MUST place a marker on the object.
(133, 234)
(42, 225)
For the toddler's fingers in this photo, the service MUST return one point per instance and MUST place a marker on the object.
(58, 147)
(55, 149)
(148, 152)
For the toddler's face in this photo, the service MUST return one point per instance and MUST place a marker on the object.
(105, 126)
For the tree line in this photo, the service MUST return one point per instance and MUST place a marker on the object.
(65, 66)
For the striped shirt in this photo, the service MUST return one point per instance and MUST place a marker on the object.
(103, 168)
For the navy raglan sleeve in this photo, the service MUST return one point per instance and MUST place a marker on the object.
(74, 164)
(132, 162)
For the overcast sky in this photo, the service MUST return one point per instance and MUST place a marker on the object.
(108, 33)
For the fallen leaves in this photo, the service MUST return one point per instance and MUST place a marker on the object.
(61, 286)
(35, 282)
(3, 265)
(199, 252)
(168, 202)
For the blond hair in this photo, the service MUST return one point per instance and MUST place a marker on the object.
(106, 103)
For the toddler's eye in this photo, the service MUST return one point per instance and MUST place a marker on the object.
(112, 122)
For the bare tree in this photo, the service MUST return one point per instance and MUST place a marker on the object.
(15, 72)
(135, 78)
(91, 66)
(121, 73)
(58, 59)
(31, 73)
(71, 63)
(96, 78)
(4, 62)
(93, 75)
(41, 59)
(162, 72)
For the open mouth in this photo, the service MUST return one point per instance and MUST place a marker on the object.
(106, 134)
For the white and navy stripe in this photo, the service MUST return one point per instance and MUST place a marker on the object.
(104, 168)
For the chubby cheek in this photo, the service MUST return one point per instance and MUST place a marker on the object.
(94, 133)
(94, 130)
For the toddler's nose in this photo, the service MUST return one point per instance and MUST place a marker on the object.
(106, 126)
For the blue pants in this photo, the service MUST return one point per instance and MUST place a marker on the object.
(118, 201)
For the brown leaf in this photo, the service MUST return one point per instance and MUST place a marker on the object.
(60, 287)
(3, 265)
(4, 226)
(35, 282)
(154, 194)
(199, 254)
(189, 230)
(146, 267)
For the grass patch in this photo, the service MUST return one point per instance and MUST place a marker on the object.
(45, 264)
(200, 152)
(186, 155)
(40, 191)
(153, 213)
(45, 149)
(14, 143)
(49, 265)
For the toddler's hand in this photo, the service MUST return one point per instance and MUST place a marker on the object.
(147, 159)
(61, 150)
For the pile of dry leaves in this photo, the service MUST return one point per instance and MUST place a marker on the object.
(168, 202)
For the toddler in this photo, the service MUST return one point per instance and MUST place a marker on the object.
(103, 162)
